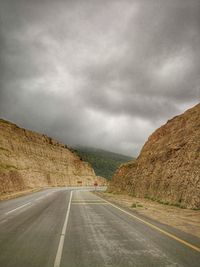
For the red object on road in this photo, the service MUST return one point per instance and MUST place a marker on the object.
(95, 183)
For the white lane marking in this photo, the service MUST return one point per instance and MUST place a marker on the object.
(39, 198)
(18, 208)
(155, 227)
(3, 221)
(62, 238)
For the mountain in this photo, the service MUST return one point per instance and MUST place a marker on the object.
(168, 167)
(103, 162)
(32, 160)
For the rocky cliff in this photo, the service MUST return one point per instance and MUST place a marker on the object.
(31, 160)
(168, 167)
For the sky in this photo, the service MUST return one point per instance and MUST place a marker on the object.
(98, 73)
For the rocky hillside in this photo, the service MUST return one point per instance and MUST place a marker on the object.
(31, 160)
(168, 167)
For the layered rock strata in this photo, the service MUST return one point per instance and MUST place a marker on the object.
(30, 160)
(168, 167)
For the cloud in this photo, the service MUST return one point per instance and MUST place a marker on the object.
(98, 73)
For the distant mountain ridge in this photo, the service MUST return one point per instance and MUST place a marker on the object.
(103, 162)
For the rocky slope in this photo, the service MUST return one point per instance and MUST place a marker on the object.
(168, 167)
(30, 160)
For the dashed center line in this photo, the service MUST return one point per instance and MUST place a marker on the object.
(31, 202)
(89, 203)
(39, 198)
(3, 221)
(18, 208)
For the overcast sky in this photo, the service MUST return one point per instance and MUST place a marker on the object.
(100, 73)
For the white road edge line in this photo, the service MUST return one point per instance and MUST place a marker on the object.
(18, 208)
(62, 238)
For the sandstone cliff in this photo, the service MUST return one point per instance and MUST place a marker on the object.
(31, 160)
(168, 167)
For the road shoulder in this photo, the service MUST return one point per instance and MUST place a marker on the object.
(184, 220)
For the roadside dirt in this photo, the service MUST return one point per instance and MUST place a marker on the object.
(182, 219)
(18, 194)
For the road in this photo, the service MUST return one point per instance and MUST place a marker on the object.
(76, 228)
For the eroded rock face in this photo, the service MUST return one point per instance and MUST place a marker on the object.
(30, 160)
(168, 167)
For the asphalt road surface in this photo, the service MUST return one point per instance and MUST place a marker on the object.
(76, 228)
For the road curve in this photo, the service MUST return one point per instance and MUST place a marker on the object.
(61, 228)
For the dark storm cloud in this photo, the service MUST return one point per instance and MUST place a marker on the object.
(98, 73)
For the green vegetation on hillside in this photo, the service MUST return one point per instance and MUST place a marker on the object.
(103, 162)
